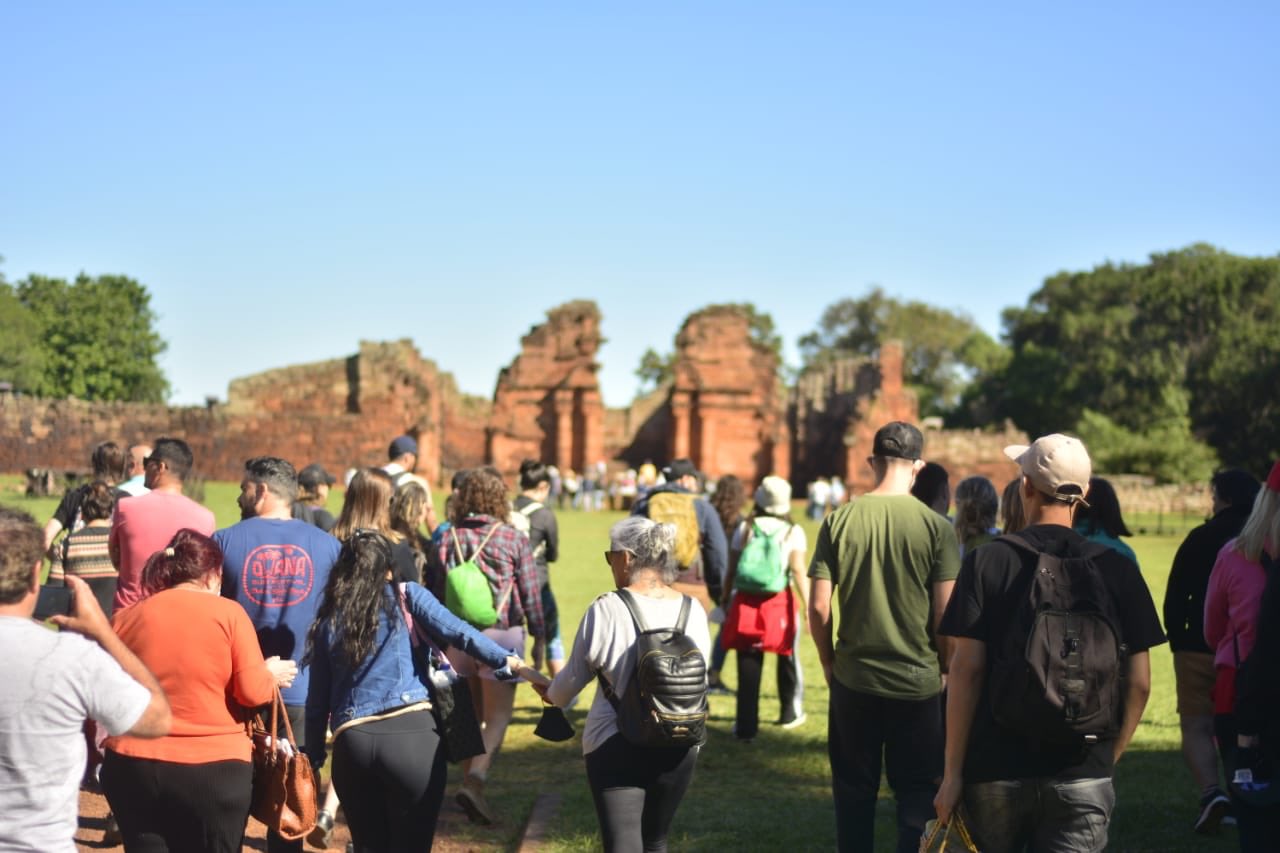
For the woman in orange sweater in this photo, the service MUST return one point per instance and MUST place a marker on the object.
(190, 791)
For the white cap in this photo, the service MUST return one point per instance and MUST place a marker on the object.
(1057, 465)
(774, 495)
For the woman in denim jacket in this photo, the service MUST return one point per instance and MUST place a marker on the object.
(386, 765)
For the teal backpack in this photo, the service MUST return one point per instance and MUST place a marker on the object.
(760, 565)
(466, 588)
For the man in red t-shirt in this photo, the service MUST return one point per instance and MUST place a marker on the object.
(145, 524)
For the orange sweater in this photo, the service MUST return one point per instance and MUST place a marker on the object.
(204, 652)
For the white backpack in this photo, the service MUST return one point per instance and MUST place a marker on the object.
(520, 521)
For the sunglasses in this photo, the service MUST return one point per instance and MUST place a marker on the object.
(611, 552)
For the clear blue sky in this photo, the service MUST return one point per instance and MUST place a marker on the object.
(290, 178)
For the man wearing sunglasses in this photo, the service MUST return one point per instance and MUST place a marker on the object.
(149, 521)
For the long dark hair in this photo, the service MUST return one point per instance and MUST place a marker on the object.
(1103, 513)
(355, 596)
(727, 500)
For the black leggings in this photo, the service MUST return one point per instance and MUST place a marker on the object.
(164, 806)
(636, 792)
(391, 778)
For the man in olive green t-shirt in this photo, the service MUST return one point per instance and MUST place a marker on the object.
(889, 563)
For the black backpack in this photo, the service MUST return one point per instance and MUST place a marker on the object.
(665, 702)
(1059, 678)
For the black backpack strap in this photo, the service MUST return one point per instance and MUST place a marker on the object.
(625, 597)
(684, 614)
(630, 603)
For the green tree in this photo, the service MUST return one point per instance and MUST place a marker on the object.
(943, 350)
(97, 336)
(655, 369)
(21, 356)
(1174, 351)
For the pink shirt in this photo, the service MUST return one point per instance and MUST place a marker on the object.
(1231, 605)
(143, 525)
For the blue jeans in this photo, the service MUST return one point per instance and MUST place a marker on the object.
(1046, 815)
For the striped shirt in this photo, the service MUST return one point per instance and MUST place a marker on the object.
(84, 554)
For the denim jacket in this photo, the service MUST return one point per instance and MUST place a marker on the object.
(387, 678)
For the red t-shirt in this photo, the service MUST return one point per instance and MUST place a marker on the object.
(143, 525)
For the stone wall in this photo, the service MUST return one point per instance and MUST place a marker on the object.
(547, 402)
(835, 410)
(967, 453)
(341, 413)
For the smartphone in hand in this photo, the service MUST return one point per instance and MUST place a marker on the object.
(53, 601)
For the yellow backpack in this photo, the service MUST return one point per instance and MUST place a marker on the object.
(677, 508)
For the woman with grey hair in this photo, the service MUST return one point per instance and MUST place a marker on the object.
(636, 789)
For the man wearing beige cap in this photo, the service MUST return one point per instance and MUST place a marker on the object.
(1031, 757)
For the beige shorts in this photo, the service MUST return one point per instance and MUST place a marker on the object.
(1194, 674)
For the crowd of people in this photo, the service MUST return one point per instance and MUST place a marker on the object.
(993, 661)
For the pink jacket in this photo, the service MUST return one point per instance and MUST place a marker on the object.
(1231, 605)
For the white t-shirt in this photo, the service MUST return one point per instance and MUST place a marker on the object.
(53, 682)
(604, 639)
(793, 541)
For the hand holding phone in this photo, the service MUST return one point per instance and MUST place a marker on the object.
(53, 601)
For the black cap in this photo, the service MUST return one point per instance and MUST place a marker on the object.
(402, 445)
(313, 475)
(898, 440)
(679, 468)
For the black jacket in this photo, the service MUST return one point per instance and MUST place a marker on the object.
(1258, 683)
(1189, 578)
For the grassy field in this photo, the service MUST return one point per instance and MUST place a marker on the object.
(773, 794)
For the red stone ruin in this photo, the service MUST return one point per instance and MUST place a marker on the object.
(725, 408)
(547, 402)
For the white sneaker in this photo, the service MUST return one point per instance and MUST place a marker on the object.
(796, 723)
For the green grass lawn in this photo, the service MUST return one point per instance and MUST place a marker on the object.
(772, 794)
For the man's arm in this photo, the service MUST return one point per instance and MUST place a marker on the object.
(89, 621)
(820, 623)
(715, 550)
(941, 594)
(968, 669)
(51, 531)
(1135, 699)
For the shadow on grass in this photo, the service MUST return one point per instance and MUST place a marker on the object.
(1156, 805)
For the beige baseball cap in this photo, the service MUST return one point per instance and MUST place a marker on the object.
(1057, 465)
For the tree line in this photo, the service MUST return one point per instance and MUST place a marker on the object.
(92, 338)
(1168, 368)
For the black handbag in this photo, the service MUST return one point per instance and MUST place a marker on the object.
(451, 703)
(456, 721)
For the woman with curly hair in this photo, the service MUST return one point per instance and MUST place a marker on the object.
(976, 507)
(480, 534)
(727, 500)
(190, 790)
(387, 765)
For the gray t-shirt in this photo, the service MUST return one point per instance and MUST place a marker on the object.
(53, 682)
